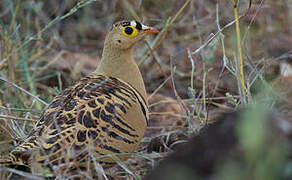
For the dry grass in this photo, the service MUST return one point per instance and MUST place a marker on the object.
(193, 60)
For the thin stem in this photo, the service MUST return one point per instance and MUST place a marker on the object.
(242, 89)
(23, 90)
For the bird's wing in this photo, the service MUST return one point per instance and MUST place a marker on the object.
(97, 116)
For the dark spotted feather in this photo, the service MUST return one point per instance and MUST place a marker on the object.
(97, 116)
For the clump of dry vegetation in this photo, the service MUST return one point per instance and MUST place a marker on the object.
(191, 71)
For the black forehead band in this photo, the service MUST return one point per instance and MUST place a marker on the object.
(126, 23)
(138, 25)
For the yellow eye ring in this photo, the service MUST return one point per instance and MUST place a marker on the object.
(130, 31)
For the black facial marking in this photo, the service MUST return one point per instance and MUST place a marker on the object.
(138, 25)
(119, 41)
(126, 23)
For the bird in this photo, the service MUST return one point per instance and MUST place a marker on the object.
(102, 114)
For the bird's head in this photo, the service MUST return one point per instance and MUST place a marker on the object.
(124, 34)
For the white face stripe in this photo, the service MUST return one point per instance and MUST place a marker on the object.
(133, 23)
(144, 27)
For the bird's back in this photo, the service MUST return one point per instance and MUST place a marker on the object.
(98, 116)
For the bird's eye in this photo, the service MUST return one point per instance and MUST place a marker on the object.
(130, 31)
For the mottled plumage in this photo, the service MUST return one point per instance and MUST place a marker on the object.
(102, 114)
(92, 116)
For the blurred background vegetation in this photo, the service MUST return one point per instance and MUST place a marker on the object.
(45, 46)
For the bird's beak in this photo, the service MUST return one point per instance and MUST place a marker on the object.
(151, 30)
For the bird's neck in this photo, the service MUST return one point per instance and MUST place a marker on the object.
(120, 64)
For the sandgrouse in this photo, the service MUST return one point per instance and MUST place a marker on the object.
(104, 113)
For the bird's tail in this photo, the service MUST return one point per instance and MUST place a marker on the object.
(6, 161)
